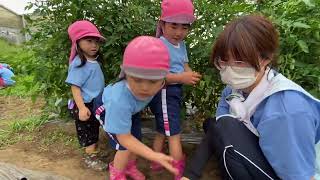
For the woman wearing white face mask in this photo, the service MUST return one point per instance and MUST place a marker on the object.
(266, 126)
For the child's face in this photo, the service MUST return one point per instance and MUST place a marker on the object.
(89, 46)
(175, 32)
(144, 88)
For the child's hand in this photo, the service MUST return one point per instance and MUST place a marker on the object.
(165, 161)
(84, 114)
(184, 178)
(190, 77)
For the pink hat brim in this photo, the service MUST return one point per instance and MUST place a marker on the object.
(181, 19)
(92, 35)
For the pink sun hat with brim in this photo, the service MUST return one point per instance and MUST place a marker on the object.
(81, 29)
(145, 57)
(176, 11)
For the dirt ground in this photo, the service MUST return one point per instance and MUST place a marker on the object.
(59, 157)
(12, 108)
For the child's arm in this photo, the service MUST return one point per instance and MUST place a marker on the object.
(136, 147)
(84, 112)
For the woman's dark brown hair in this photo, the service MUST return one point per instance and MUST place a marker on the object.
(248, 38)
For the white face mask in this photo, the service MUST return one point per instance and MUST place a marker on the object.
(238, 77)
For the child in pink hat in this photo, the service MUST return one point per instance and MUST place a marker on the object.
(144, 68)
(86, 80)
(175, 21)
(6, 76)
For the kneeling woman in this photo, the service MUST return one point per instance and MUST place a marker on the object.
(266, 126)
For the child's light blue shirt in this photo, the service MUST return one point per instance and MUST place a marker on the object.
(89, 78)
(120, 104)
(178, 55)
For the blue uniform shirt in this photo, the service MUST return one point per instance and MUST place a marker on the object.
(6, 74)
(89, 78)
(120, 104)
(288, 124)
(178, 55)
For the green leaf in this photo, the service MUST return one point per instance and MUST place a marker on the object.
(317, 35)
(303, 46)
(309, 3)
(301, 25)
(58, 101)
(275, 3)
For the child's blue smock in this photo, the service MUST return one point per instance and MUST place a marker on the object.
(178, 55)
(120, 104)
(89, 78)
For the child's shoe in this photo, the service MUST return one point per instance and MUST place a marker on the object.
(92, 161)
(156, 167)
(133, 172)
(179, 165)
(116, 174)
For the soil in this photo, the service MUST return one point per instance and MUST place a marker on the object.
(61, 159)
(12, 108)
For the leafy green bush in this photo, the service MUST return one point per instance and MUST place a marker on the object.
(23, 62)
(121, 20)
(298, 23)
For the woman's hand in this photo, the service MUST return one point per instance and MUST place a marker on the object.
(84, 114)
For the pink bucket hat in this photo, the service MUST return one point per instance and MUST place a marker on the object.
(176, 11)
(145, 57)
(81, 29)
